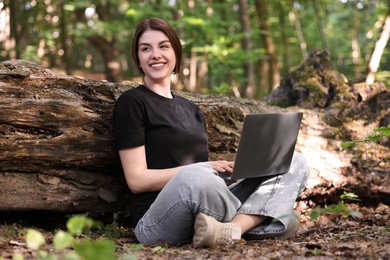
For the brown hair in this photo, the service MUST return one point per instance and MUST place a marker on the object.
(157, 25)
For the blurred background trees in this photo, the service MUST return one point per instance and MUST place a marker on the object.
(240, 47)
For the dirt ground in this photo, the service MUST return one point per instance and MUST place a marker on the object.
(331, 236)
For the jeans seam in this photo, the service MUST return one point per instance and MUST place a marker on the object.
(273, 192)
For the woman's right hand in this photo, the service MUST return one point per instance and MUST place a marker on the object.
(224, 167)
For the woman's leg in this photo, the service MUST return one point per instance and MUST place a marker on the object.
(269, 208)
(194, 189)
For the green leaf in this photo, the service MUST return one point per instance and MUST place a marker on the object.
(34, 239)
(62, 240)
(43, 255)
(79, 223)
(383, 130)
(158, 249)
(72, 256)
(349, 196)
(347, 144)
(96, 250)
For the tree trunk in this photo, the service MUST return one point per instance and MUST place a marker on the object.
(247, 89)
(112, 64)
(202, 73)
(107, 49)
(317, 10)
(380, 45)
(193, 72)
(355, 41)
(57, 147)
(14, 32)
(283, 37)
(298, 29)
(64, 40)
(273, 75)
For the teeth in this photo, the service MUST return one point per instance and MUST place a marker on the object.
(157, 65)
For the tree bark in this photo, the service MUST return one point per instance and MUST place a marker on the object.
(57, 148)
(271, 66)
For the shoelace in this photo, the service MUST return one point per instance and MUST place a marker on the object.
(225, 237)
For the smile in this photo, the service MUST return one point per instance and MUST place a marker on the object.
(157, 65)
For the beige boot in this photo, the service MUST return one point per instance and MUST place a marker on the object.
(209, 232)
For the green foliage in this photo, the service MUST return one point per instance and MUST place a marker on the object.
(76, 242)
(62, 240)
(10, 231)
(81, 224)
(379, 133)
(34, 239)
(158, 249)
(96, 250)
(112, 230)
(337, 209)
(349, 196)
(316, 251)
(210, 29)
(30, 53)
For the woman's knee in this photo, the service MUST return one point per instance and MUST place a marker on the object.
(300, 168)
(198, 176)
(299, 164)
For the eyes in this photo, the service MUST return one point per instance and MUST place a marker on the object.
(146, 48)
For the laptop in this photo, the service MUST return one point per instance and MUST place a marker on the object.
(266, 144)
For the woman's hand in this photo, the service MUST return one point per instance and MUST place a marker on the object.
(224, 167)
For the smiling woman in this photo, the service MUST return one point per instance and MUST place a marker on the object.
(157, 61)
(179, 195)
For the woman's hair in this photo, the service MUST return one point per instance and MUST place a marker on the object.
(157, 25)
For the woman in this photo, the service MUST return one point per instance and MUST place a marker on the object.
(162, 143)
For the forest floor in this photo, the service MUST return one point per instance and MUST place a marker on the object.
(332, 236)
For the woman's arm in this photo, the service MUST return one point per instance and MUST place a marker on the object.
(138, 177)
(141, 179)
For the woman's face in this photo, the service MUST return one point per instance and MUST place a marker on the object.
(156, 56)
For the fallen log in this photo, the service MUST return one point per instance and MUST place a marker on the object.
(57, 148)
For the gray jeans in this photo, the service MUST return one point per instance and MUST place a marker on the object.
(197, 188)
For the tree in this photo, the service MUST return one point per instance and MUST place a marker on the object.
(378, 51)
(106, 45)
(66, 57)
(247, 89)
(59, 34)
(58, 151)
(355, 40)
(298, 29)
(269, 68)
(317, 9)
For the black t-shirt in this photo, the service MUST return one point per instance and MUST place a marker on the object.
(172, 130)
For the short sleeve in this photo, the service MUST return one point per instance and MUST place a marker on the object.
(128, 121)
